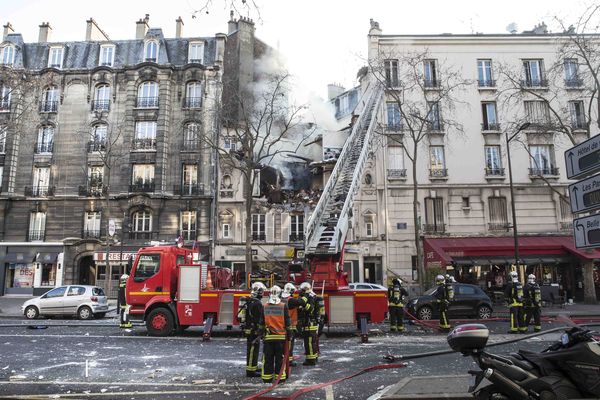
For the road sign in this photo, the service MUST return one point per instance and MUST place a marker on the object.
(583, 159)
(112, 227)
(587, 232)
(585, 195)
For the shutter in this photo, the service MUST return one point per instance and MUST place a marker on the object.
(285, 227)
(243, 227)
(270, 227)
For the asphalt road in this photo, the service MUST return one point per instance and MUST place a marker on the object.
(51, 363)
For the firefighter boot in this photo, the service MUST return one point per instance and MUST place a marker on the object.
(125, 323)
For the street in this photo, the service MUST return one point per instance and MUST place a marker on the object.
(52, 362)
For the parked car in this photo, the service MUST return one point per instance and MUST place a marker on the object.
(365, 286)
(83, 301)
(469, 301)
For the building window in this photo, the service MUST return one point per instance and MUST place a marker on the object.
(466, 202)
(430, 74)
(490, 118)
(434, 121)
(391, 73)
(45, 140)
(437, 162)
(255, 183)
(91, 224)
(190, 179)
(41, 181)
(49, 100)
(5, 94)
(95, 180)
(434, 215)
(396, 162)
(493, 161)
(101, 100)
(188, 225)
(258, 227)
(107, 55)
(142, 179)
(537, 113)
(151, 51)
(142, 222)
(1, 176)
(566, 216)
(534, 73)
(7, 55)
(191, 136)
(498, 214)
(572, 73)
(296, 227)
(394, 122)
(484, 73)
(226, 231)
(229, 144)
(577, 111)
(196, 52)
(193, 95)
(37, 226)
(55, 58)
(145, 135)
(369, 229)
(98, 138)
(542, 160)
(3, 135)
(147, 95)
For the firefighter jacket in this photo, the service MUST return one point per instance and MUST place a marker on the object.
(294, 305)
(442, 294)
(306, 315)
(396, 293)
(254, 311)
(514, 294)
(276, 321)
(533, 295)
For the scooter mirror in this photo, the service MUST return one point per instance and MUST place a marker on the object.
(564, 339)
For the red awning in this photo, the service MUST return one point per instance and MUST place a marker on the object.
(440, 252)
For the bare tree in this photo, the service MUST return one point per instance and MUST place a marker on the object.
(419, 90)
(238, 6)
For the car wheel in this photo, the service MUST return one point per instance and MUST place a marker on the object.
(99, 315)
(425, 313)
(32, 312)
(159, 322)
(84, 313)
(484, 312)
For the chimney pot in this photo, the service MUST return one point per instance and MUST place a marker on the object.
(8, 29)
(45, 31)
(141, 27)
(178, 27)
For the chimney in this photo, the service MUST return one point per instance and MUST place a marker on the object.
(232, 24)
(334, 90)
(93, 31)
(178, 27)
(8, 29)
(141, 27)
(45, 31)
(220, 49)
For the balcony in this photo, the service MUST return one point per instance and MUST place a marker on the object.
(431, 84)
(189, 190)
(39, 191)
(144, 187)
(434, 228)
(548, 171)
(574, 83)
(494, 172)
(394, 128)
(192, 102)
(48, 106)
(486, 83)
(396, 174)
(143, 144)
(4, 105)
(143, 235)
(147, 102)
(191, 145)
(259, 237)
(438, 173)
(100, 105)
(580, 125)
(57, 66)
(44, 148)
(96, 146)
(92, 191)
(296, 237)
(490, 127)
(150, 59)
(195, 61)
(106, 64)
(498, 226)
(534, 83)
(566, 225)
(90, 233)
(35, 236)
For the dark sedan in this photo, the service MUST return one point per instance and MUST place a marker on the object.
(469, 301)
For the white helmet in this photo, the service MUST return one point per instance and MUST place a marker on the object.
(288, 290)
(305, 287)
(258, 288)
(531, 279)
(514, 276)
(440, 279)
(275, 295)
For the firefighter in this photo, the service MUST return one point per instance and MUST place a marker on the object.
(250, 314)
(276, 323)
(396, 294)
(294, 304)
(308, 323)
(514, 296)
(533, 299)
(122, 300)
(443, 294)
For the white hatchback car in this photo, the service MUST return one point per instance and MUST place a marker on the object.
(84, 301)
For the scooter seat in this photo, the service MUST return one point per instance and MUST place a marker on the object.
(520, 362)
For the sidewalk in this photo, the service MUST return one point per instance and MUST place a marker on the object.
(10, 306)
(430, 387)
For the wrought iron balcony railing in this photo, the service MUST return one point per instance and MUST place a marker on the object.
(96, 145)
(532, 83)
(44, 147)
(35, 235)
(296, 237)
(438, 172)
(92, 191)
(566, 225)
(90, 233)
(259, 237)
(143, 235)
(580, 125)
(396, 173)
(191, 145)
(100, 105)
(142, 187)
(143, 144)
(394, 128)
(490, 126)
(49, 106)
(486, 83)
(189, 190)
(4, 105)
(548, 171)
(431, 84)
(574, 83)
(192, 102)
(39, 191)
(195, 61)
(147, 102)
(434, 228)
(494, 171)
(498, 226)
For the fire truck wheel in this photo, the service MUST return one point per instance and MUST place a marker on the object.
(159, 322)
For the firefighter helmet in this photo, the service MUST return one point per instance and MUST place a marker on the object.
(396, 282)
(531, 279)
(450, 278)
(440, 279)
(288, 290)
(305, 287)
(275, 295)
(514, 277)
(258, 288)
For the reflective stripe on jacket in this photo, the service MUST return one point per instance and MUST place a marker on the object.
(275, 321)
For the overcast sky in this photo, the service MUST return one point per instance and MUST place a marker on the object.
(323, 41)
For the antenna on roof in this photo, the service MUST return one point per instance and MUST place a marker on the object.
(512, 28)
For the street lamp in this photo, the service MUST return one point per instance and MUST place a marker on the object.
(512, 194)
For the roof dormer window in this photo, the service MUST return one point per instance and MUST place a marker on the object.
(151, 51)
(7, 55)
(107, 55)
(196, 53)
(55, 58)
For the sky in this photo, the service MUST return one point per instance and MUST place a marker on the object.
(323, 41)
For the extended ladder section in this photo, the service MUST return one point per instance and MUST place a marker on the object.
(328, 225)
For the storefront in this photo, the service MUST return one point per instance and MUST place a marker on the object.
(107, 276)
(486, 261)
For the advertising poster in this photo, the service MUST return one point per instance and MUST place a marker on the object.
(23, 276)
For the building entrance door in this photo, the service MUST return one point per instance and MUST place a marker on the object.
(87, 270)
(372, 271)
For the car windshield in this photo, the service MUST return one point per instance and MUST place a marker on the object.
(97, 291)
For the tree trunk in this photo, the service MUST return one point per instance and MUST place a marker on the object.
(108, 273)
(589, 289)
(420, 268)
(248, 222)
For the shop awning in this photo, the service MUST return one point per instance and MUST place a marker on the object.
(18, 258)
(46, 258)
(440, 252)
